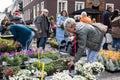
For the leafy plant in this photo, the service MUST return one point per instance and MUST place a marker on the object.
(5, 57)
(49, 55)
(52, 67)
(11, 48)
(24, 57)
(33, 56)
(8, 71)
(6, 46)
(49, 67)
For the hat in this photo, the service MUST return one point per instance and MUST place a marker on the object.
(45, 10)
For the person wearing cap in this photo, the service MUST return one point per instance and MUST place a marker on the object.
(21, 33)
(43, 24)
(17, 18)
(87, 37)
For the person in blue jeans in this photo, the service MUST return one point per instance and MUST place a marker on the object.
(115, 32)
(21, 33)
(87, 36)
(42, 23)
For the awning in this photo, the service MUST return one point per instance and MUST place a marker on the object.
(89, 11)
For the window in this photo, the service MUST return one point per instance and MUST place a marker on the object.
(62, 5)
(38, 8)
(42, 5)
(110, 5)
(34, 13)
(79, 5)
(28, 14)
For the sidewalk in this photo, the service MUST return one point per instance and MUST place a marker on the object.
(110, 76)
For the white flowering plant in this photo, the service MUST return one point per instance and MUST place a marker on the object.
(82, 67)
(79, 65)
(97, 67)
(87, 68)
(62, 76)
(65, 76)
(26, 75)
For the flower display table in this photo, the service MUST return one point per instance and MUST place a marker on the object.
(110, 59)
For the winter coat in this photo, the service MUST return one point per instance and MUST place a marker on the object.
(106, 18)
(87, 37)
(42, 23)
(21, 33)
(116, 27)
(86, 19)
(17, 20)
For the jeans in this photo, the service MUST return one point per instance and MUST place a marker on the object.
(42, 42)
(28, 42)
(92, 55)
(116, 43)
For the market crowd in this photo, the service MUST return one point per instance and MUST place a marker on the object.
(86, 37)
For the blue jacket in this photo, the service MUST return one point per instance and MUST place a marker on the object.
(21, 33)
(61, 20)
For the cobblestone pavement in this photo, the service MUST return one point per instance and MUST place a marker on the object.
(110, 76)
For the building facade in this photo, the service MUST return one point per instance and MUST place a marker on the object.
(32, 7)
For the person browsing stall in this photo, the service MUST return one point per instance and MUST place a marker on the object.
(22, 34)
(87, 37)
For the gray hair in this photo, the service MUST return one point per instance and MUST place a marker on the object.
(44, 10)
(83, 14)
(69, 22)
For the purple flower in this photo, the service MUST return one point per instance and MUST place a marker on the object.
(11, 54)
(2, 54)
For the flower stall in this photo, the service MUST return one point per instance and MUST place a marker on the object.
(6, 46)
(32, 61)
(29, 58)
(84, 71)
(110, 59)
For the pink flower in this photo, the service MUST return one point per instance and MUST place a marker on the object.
(9, 73)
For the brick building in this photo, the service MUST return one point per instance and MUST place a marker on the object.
(31, 7)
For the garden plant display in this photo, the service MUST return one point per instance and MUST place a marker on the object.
(6, 46)
(84, 71)
(110, 59)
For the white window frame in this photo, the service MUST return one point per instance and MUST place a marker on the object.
(38, 8)
(28, 14)
(62, 1)
(34, 13)
(42, 5)
(79, 2)
(111, 5)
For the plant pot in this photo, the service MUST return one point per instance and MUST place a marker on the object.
(23, 66)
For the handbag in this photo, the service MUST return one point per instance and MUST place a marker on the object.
(103, 28)
(108, 38)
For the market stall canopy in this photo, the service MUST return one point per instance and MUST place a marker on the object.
(88, 10)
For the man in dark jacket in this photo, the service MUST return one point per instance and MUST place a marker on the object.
(106, 21)
(42, 23)
(87, 37)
